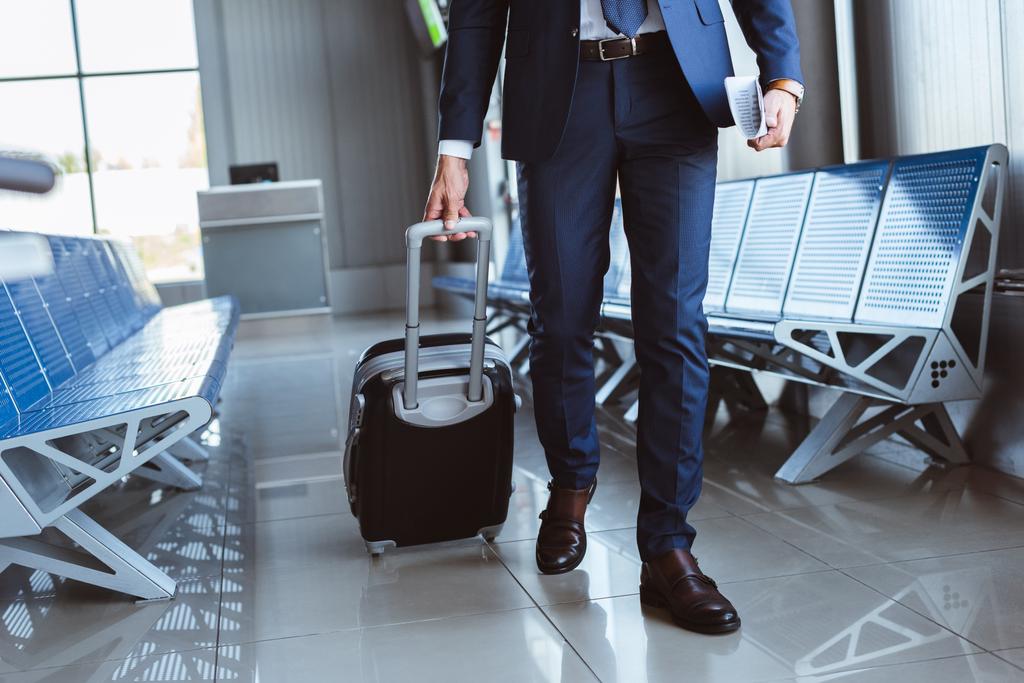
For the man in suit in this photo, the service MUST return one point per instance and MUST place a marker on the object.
(599, 92)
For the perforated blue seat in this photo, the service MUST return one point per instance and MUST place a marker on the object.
(90, 342)
(130, 344)
(45, 417)
(512, 288)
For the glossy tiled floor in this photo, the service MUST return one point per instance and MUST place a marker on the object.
(877, 573)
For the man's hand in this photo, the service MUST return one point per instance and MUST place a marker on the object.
(447, 198)
(779, 112)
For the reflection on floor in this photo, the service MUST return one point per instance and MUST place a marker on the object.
(877, 573)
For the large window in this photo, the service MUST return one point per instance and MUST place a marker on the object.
(108, 90)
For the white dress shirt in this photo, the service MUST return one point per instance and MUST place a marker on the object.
(592, 27)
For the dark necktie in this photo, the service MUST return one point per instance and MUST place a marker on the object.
(624, 16)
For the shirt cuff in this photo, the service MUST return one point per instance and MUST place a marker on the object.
(456, 148)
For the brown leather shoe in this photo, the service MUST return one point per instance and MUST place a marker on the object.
(674, 580)
(562, 540)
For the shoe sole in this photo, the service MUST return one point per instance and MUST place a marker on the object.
(562, 570)
(654, 599)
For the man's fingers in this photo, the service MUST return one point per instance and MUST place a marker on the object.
(762, 143)
(778, 119)
(776, 137)
(451, 222)
(434, 208)
(464, 213)
(771, 116)
(451, 219)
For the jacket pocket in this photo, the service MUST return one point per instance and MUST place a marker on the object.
(517, 44)
(710, 12)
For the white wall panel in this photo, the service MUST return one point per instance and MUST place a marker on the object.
(943, 74)
(329, 90)
(378, 136)
(276, 87)
(1012, 239)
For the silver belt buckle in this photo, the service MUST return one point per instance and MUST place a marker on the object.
(600, 49)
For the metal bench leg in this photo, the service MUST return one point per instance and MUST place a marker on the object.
(519, 350)
(499, 322)
(103, 560)
(189, 450)
(817, 453)
(840, 435)
(168, 470)
(615, 381)
(745, 392)
(937, 436)
(633, 413)
(736, 388)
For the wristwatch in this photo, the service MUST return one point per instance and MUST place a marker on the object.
(794, 88)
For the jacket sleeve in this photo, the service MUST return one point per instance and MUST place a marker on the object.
(476, 35)
(770, 30)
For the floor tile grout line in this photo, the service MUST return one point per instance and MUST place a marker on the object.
(589, 531)
(995, 653)
(890, 665)
(547, 617)
(747, 519)
(370, 627)
(854, 501)
(228, 522)
(71, 665)
(937, 557)
(220, 581)
(788, 542)
(978, 488)
(883, 562)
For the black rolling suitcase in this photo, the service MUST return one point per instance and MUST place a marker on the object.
(431, 460)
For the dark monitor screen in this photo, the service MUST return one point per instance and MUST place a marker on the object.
(254, 173)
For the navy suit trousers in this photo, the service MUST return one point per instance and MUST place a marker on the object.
(637, 122)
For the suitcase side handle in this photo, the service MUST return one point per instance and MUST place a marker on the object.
(414, 237)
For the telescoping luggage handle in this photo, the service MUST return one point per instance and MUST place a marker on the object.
(414, 237)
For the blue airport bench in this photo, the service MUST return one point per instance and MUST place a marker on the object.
(98, 381)
(510, 290)
(509, 295)
(869, 278)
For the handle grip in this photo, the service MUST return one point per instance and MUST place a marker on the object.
(415, 234)
(414, 237)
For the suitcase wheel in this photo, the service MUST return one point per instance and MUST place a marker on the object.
(376, 548)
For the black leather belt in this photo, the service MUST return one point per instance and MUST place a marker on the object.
(620, 48)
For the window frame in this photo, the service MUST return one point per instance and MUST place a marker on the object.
(80, 77)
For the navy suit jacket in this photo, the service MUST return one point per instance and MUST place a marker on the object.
(542, 57)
